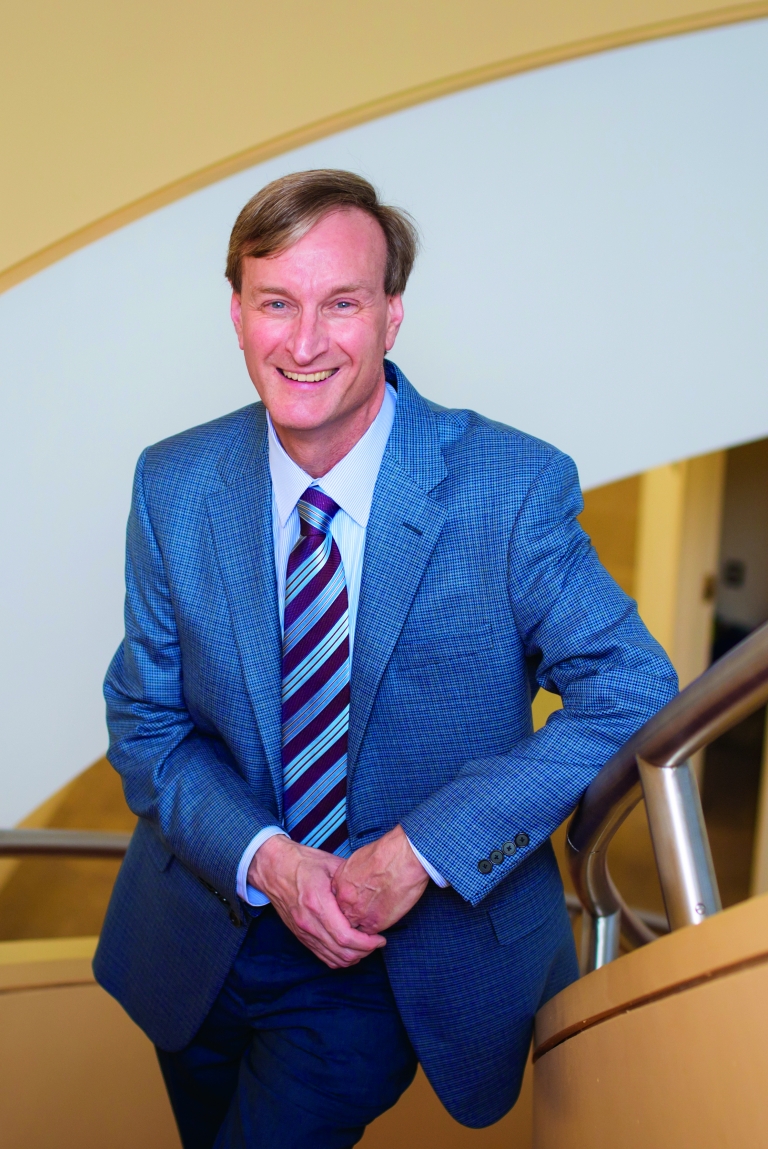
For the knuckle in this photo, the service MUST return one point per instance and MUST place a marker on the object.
(303, 921)
(343, 936)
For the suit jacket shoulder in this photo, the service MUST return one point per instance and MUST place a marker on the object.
(490, 466)
(193, 463)
(466, 439)
(466, 435)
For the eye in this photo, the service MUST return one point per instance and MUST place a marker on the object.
(344, 304)
(276, 305)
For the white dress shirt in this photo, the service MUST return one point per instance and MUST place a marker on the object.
(350, 484)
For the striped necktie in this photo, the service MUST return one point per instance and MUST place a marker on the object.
(316, 682)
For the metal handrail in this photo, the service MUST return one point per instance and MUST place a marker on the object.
(657, 923)
(75, 843)
(654, 764)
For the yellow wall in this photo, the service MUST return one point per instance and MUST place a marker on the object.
(51, 897)
(658, 534)
(110, 110)
(680, 509)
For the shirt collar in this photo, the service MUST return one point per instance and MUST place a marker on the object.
(350, 483)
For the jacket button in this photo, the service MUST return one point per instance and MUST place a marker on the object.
(508, 849)
(522, 839)
(235, 920)
(484, 866)
(497, 857)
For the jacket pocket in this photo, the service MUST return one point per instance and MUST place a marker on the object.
(529, 898)
(444, 647)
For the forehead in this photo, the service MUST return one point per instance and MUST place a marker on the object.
(346, 246)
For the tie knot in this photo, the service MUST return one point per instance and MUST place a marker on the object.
(316, 511)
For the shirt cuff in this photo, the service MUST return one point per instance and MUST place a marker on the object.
(437, 878)
(247, 893)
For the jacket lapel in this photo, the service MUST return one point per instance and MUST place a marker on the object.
(403, 528)
(241, 522)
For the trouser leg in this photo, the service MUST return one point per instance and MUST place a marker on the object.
(202, 1078)
(292, 1055)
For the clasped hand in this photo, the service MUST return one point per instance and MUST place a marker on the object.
(338, 907)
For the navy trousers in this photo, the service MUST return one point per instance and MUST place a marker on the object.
(292, 1055)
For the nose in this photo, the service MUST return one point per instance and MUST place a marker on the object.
(308, 339)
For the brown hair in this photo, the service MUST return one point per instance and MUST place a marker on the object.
(284, 211)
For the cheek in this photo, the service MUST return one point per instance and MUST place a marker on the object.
(360, 341)
(261, 339)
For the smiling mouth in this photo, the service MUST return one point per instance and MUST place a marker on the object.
(314, 377)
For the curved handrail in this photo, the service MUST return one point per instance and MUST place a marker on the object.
(75, 843)
(732, 688)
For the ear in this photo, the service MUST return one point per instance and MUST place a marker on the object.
(395, 315)
(236, 312)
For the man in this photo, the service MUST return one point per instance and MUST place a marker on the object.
(340, 601)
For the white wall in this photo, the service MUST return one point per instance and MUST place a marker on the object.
(595, 270)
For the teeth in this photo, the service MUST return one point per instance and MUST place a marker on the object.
(317, 377)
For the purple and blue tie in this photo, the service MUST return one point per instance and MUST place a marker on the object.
(316, 682)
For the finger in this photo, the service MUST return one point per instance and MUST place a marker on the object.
(354, 915)
(308, 922)
(351, 941)
(337, 925)
(319, 921)
(342, 882)
(313, 932)
(347, 893)
(329, 926)
(318, 941)
(332, 959)
(372, 925)
(332, 863)
(345, 935)
(331, 954)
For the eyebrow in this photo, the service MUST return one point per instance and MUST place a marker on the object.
(345, 289)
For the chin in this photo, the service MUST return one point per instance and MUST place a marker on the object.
(302, 420)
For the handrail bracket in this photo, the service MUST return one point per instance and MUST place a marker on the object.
(680, 843)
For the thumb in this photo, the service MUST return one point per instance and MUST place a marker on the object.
(334, 865)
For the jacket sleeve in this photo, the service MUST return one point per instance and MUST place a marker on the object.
(589, 645)
(181, 780)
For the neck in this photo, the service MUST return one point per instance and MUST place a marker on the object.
(318, 450)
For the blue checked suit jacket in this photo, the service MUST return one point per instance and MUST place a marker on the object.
(478, 587)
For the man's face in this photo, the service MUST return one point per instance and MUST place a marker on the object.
(314, 324)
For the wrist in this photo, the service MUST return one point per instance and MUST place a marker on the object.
(415, 869)
(268, 860)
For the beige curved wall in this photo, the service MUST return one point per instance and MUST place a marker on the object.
(76, 1072)
(116, 109)
(664, 1047)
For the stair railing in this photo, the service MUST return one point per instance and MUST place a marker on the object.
(654, 764)
(73, 843)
